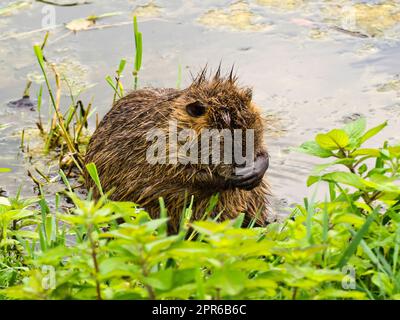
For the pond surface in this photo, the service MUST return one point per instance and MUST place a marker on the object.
(314, 65)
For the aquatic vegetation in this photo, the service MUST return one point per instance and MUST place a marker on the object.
(88, 22)
(282, 4)
(13, 7)
(138, 50)
(374, 20)
(345, 247)
(80, 24)
(117, 87)
(238, 16)
(318, 34)
(391, 85)
(149, 10)
(73, 75)
(35, 77)
(66, 132)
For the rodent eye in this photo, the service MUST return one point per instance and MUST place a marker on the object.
(196, 109)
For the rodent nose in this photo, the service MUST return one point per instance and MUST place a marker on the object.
(250, 177)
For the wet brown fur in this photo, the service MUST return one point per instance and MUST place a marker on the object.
(118, 148)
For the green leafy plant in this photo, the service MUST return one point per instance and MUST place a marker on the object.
(117, 87)
(345, 246)
(118, 252)
(16, 216)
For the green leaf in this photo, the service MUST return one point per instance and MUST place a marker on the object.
(312, 148)
(333, 140)
(355, 130)
(155, 224)
(321, 167)
(332, 293)
(229, 281)
(347, 178)
(374, 153)
(356, 240)
(25, 234)
(395, 151)
(349, 218)
(383, 282)
(238, 222)
(138, 45)
(4, 170)
(91, 168)
(65, 180)
(138, 59)
(111, 83)
(39, 55)
(372, 132)
(161, 280)
(163, 215)
(122, 65)
(158, 245)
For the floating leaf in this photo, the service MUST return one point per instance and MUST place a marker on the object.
(79, 24)
(373, 19)
(88, 22)
(147, 10)
(286, 5)
(238, 16)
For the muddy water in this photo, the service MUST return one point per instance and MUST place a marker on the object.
(314, 65)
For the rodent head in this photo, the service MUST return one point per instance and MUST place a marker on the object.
(217, 103)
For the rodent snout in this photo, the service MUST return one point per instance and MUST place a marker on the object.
(249, 177)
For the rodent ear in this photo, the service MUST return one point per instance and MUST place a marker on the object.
(196, 109)
(248, 93)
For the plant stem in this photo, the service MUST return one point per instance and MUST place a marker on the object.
(145, 272)
(95, 263)
(294, 293)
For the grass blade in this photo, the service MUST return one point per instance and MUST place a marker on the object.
(356, 240)
(92, 170)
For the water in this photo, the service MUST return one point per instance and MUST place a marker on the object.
(313, 65)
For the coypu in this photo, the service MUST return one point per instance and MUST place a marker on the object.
(119, 148)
